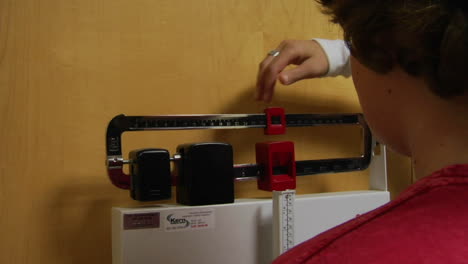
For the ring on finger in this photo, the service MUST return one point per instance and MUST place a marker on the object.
(274, 53)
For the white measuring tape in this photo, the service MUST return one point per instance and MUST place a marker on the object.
(283, 221)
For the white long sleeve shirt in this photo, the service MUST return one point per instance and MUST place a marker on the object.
(338, 57)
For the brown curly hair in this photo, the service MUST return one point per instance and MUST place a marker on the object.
(426, 38)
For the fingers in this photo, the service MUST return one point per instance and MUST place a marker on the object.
(262, 79)
(308, 69)
(291, 76)
(269, 70)
(308, 54)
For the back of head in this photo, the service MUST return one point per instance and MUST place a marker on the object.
(426, 38)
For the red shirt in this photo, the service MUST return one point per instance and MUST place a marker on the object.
(427, 223)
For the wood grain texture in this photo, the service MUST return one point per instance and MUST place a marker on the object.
(68, 66)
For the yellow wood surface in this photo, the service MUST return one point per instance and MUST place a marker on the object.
(68, 66)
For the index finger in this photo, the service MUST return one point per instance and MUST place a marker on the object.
(270, 70)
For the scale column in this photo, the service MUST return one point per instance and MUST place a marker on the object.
(279, 176)
(283, 221)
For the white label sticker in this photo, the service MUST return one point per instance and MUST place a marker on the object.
(193, 219)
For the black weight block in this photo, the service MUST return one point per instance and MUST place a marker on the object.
(150, 175)
(205, 174)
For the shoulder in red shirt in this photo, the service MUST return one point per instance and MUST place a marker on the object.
(427, 223)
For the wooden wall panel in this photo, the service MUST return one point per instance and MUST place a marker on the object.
(68, 66)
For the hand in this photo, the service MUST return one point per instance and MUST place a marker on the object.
(307, 54)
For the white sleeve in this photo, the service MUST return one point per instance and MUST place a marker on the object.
(338, 57)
